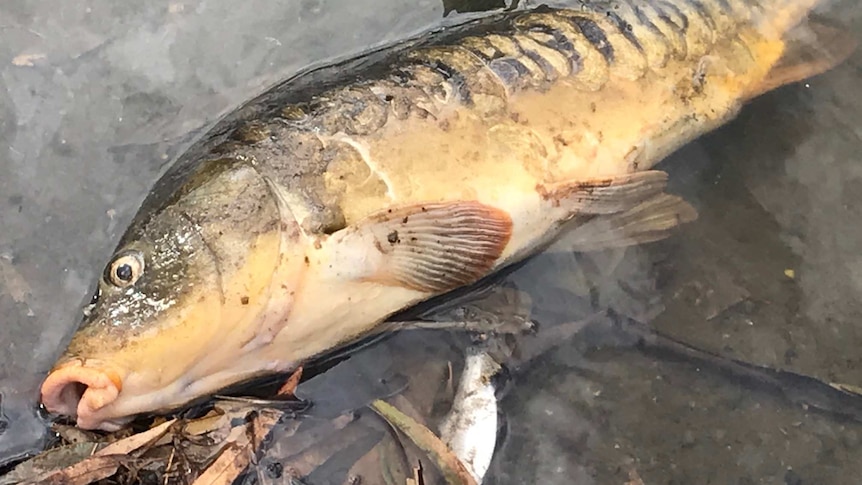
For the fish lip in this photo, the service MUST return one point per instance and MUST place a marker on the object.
(81, 389)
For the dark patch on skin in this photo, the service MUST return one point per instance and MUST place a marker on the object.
(392, 237)
(454, 77)
(294, 113)
(406, 218)
(333, 225)
(559, 42)
(562, 44)
(307, 261)
(560, 140)
(479, 45)
(557, 194)
(683, 27)
(595, 35)
(511, 72)
(244, 300)
(701, 10)
(625, 28)
(251, 133)
(665, 28)
(549, 71)
(646, 22)
(361, 111)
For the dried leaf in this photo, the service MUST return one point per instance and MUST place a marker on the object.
(216, 425)
(289, 386)
(136, 441)
(240, 446)
(262, 425)
(232, 461)
(82, 463)
(85, 472)
(449, 465)
(49, 461)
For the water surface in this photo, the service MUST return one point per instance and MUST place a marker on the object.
(96, 98)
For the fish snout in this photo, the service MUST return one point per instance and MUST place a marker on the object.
(80, 390)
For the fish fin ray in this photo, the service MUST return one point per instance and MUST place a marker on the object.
(437, 247)
(812, 49)
(650, 221)
(286, 210)
(605, 195)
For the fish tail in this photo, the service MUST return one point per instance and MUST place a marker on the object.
(776, 18)
(790, 45)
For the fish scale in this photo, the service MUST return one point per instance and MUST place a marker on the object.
(596, 44)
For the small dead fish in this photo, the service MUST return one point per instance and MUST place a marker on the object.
(470, 428)
(340, 197)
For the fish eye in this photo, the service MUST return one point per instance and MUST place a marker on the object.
(125, 269)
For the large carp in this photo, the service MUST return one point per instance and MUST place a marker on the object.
(327, 204)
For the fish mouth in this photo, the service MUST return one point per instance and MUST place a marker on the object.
(81, 391)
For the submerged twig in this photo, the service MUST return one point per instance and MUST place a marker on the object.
(837, 399)
(453, 470)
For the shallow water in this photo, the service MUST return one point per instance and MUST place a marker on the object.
(770, 274)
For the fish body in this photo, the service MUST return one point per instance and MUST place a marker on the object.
(470, 427)
(322, 207)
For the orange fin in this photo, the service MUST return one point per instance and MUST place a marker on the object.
(436, 247)
(604, 195)
(811, 49)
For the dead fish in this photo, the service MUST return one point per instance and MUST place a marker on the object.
(470, 427)
(325, 205)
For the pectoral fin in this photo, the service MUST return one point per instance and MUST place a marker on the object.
(811, 49)
(431, 248)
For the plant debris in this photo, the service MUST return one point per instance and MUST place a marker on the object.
(220, 443)
(232, 438)
(450, 466)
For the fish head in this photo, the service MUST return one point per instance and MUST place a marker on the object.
(178, 306)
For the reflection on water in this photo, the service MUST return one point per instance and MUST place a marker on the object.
(767, 276)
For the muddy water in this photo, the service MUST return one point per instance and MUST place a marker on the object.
(97, 97)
